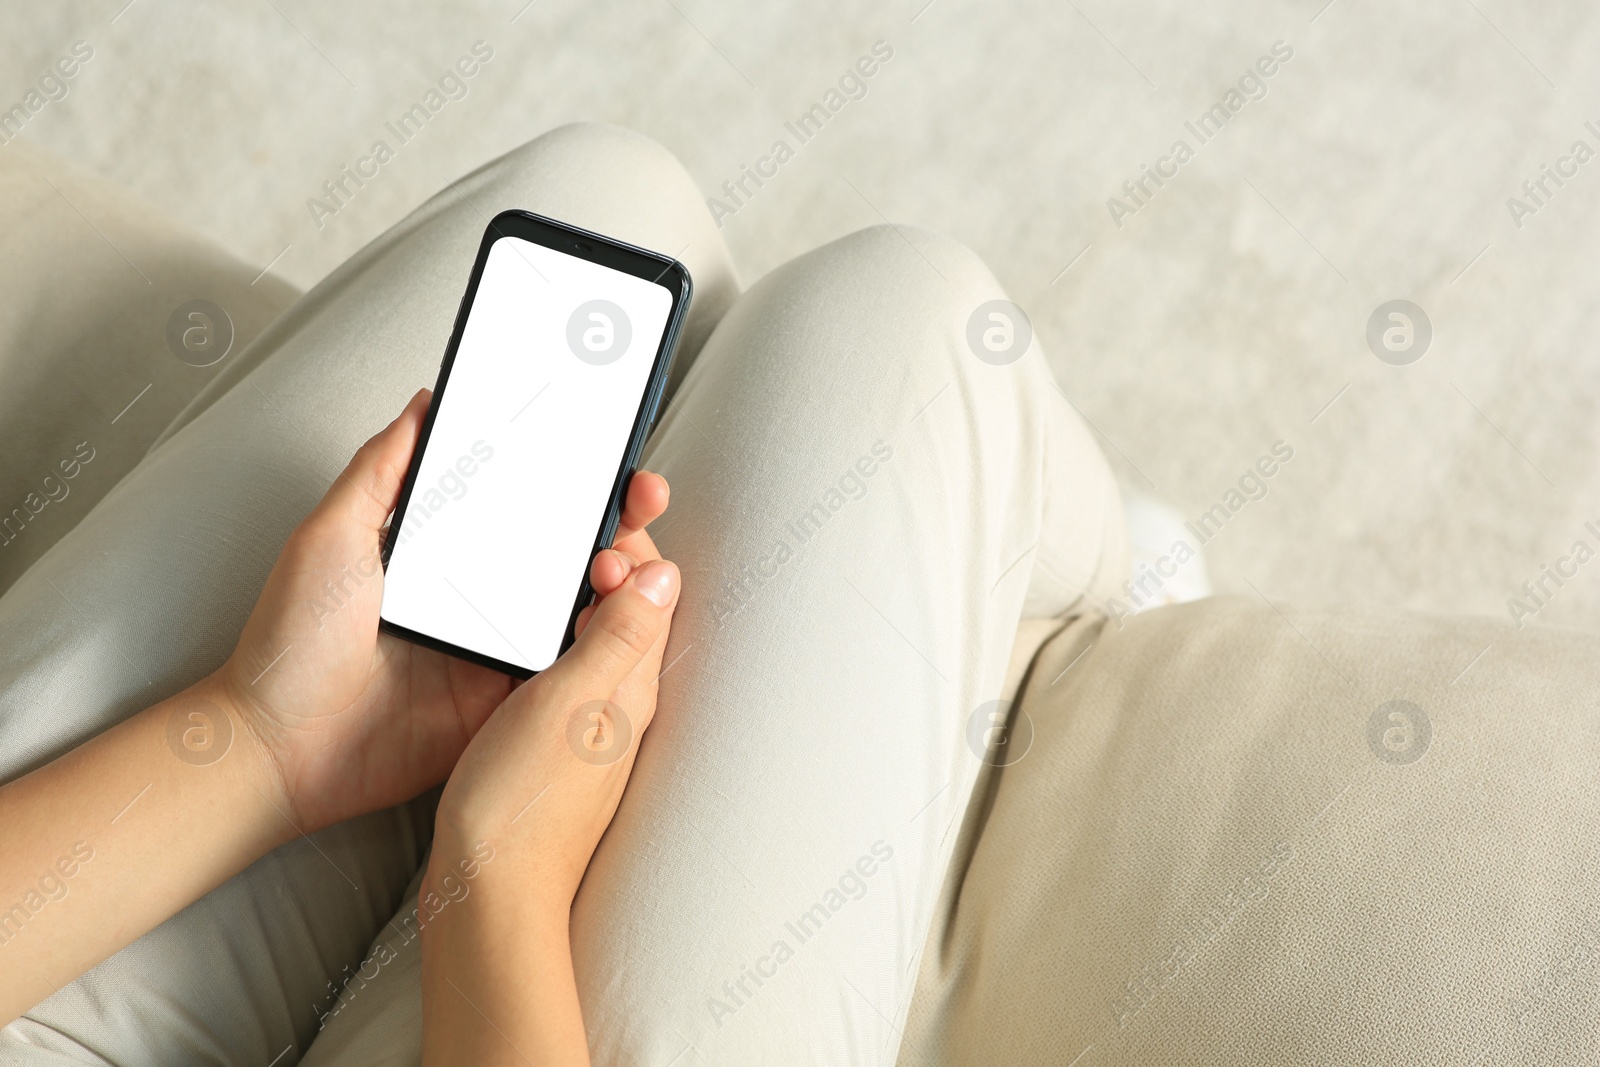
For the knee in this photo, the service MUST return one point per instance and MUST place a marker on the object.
(910, 290)
(918, 257)
(585, 169)
(915, 271)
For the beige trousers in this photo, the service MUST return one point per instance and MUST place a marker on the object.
(767, 887)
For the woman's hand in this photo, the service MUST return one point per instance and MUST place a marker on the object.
(354, 720)
(523, 811)
(542, 779)
(351, 720)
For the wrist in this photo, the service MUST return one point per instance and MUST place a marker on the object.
(512, 869)
(209, 726)
(473, 901)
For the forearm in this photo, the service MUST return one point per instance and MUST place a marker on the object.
(497, 978)
(108, 841)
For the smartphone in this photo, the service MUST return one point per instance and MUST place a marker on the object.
(548, 388)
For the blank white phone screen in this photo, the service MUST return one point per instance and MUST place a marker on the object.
(531, 430)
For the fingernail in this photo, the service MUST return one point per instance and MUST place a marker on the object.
(658, 581)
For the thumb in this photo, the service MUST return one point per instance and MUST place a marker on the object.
(369, 488)
(626, 626)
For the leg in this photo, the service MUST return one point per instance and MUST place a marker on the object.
(863, 510)
(187, 539)
(93, 279)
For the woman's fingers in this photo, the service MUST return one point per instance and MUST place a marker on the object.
(622, 630)
(646, 501)
(583, 620)
(610, 569)
(368, 489)
(607, 573)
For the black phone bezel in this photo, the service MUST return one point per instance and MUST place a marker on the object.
(596, 248)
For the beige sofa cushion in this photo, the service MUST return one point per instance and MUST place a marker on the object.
(1226, 846)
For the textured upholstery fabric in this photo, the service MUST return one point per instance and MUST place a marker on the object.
(1224, 848)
